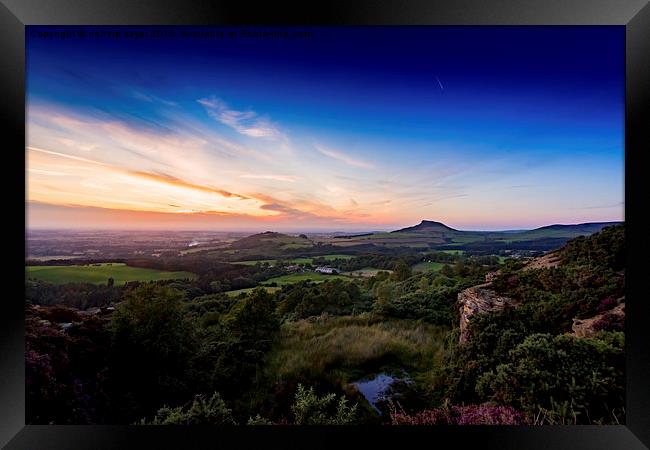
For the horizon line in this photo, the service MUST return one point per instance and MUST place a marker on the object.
(304, 231)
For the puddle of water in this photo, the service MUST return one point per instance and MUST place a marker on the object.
(374, 390)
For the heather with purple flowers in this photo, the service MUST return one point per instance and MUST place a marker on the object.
(483, 414)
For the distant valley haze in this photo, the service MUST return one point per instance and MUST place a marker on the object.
(334, 231)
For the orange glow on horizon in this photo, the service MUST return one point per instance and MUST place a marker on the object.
(87, 172)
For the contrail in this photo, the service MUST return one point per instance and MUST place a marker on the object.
(65, 155)
(440, 83)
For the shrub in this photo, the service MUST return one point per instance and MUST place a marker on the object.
(202, 412)
(310, 409)
(566, 375)
(258, 420)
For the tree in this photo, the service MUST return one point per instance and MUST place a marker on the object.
(244, 337)
(253, 318)
(460, 269)
(402, 272)
(152, 347)
(447, 271)
(216, 286)
(423, 285)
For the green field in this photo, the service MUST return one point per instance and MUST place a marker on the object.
(100, 273)
(542, 234)
(326, 257)
(52, 257)
(299, 260)
(427, 266)
(295, 245)
(453, 252)
(333, 257)
(311, 276)
(407, 244)
(200, 249)
(466, 238)
(236, 292)
(252, 262)
(366, 272)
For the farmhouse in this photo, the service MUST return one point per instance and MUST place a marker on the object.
(294, 268)
(327, 270)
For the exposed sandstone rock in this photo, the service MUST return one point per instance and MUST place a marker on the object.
(479, 299)
(612, 319)
(482, 299)
(491, 275)
(547, 261)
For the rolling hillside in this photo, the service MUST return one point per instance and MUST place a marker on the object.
(436, 235)
(270, 239)
(427, 235)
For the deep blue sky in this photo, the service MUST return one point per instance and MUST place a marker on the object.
(533, 114)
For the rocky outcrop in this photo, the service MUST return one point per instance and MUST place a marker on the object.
(476, 300)
(547, 261)
(612, 320)
(490, 276)
(483, 299)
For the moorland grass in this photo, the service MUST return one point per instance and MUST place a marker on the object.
(306, 276)
(351, 345)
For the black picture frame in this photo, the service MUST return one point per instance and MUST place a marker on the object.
(633, 14)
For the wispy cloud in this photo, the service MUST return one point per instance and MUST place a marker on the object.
(63, 155)
(611, 205)
(340, 156)
(248, 123)
(102, 183)
(287, 178)
(173, 181)
(47, 172)
(287, 210)
(151, 98)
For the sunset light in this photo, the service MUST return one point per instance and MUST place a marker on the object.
(225, 147)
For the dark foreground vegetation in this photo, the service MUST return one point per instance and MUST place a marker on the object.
(186, 352)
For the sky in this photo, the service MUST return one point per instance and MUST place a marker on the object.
(323, 128)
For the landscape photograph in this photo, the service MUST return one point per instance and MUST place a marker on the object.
(280, 226)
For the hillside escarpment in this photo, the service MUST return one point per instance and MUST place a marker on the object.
(578, 289)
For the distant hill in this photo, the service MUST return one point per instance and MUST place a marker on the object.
(429, 234)
(562, 231)
(433, 226)
(271, 239)
(588, 227)
(426, 226)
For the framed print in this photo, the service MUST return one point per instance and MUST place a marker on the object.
(377, 223)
